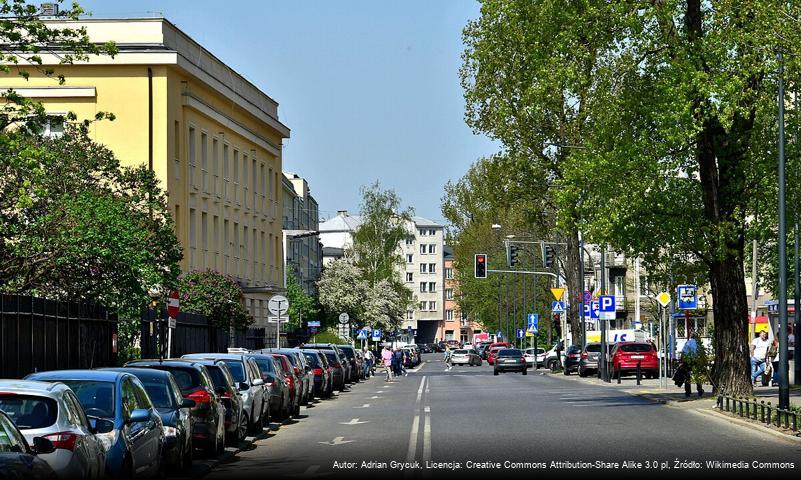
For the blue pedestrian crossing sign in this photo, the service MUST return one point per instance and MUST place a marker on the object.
(687, 297)
(558, 307)
(533, 323)
(499, 334)
(361, 335)
(521, 333)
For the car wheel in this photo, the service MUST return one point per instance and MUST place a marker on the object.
(582, 373)
(553, 365)
(567, 371)
(495, 371)
(221, 440)
(187, 457)
(243, 428)
(212, 446)
(525, 371)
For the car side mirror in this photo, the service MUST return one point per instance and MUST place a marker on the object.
(139, 415)
(243, 385)
(258, 382)
(188, 403)
(100, 425)
(43, 446)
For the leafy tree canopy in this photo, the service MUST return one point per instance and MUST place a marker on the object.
(216, 296)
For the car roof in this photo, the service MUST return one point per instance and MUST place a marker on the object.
(30, 387)
(98, 375)
(141, 372)
(221, 356)
(171, 362)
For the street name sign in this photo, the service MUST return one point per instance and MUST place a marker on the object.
(313, 323)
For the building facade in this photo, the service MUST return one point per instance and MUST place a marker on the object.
(213, 139)
(421, 270)
(304, 255)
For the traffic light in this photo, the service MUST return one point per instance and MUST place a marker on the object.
(513, 255)
(557, 324)
(481, 265)
(550, 254)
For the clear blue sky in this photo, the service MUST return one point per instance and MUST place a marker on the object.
(370, 89)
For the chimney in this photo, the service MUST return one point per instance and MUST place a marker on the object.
(342, 213)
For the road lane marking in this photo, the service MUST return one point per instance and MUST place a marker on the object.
(337, 441)
(366, 405)
(420, 392)
(427, 439)
(413, 439)
(374, 397)
(353, 421)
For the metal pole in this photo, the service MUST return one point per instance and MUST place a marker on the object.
(525, 315)
(637, 290)
(784, 384)
(796, 316)
(659, 347)
(581, 293)
(500, 295)
(605, 373)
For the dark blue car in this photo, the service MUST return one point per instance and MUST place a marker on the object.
(173, 409)
(121, 412)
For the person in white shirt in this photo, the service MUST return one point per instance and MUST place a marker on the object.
(759, 352)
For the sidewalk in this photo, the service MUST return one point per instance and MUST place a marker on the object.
(674, 397)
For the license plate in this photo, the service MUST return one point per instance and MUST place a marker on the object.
(638, 356)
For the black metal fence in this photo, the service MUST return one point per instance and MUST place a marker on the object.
(759, 411)
(38, 334)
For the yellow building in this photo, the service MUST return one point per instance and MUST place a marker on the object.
(213, 138)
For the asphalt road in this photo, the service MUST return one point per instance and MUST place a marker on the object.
(467, 422)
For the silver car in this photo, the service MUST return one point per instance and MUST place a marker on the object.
(463, 356)
(247, 374)
(51, 410)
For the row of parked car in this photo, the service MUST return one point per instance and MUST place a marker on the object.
(153, 415)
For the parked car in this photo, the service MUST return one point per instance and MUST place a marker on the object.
(338, 370)
(572, 358)
(341, 359)
(127, 425)
(414, 355)
(20, 461)
(291, 382)
(463, 356)
(208, 415)
(483, 349)
(626, 356)
(350, 353)
(301, 370)
(279, 402)
(426, 348)
(321, 373)
(492, 353)
(589, 358)
(553, 357)
(453, 343)
(247, 378)
(50, 410)
(535, 355)
(173, 409)
(510, 360)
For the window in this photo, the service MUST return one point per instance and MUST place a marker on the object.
(432, 232)
(204, 237)
(409, 241)
(236, 176)
(53, 127)
(235, 269)
(176, 150)
(192, 160)
(409, 276)
(448, 314)
(245, 197)
(215, 167)
(421, 232)
(432, 268)
(245, 254)
(263, 188)
(423, 268)
(449, 273)
(254, 177)
(215, 236)
(192, 238)
(204, 162)
(423, 287)
(432, 286)
(422, 249)
(226, 247)
(409, 315)
(271, 185)
(432, 248)
(409, 258)
(448, 294)
(432, 305)
(226, 172)
(423, 306)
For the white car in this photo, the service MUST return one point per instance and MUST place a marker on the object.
(51, 410)
(463, 356)
(531, 356)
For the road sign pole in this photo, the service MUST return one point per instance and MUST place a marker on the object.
(278, 327)
(605, 369)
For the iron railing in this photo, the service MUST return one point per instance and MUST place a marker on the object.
(760, 411)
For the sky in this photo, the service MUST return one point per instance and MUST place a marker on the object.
(370, 89)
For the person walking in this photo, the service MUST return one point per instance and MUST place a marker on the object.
(368, 362)
(397, 362)
(448, 357)
(772, 363)
(759, 355)
(693, 357)
(386, 358)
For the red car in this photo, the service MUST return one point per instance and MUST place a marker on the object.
(626, 355)
(493, 352)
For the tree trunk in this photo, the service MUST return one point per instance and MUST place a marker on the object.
(574, 284)
(732, 370)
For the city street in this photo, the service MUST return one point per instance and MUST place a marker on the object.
(467, 420)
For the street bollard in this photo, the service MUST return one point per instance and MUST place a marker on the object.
(639, 373)
(619, 374)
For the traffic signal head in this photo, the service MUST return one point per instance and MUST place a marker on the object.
(481, 265)
(513, 255)
(549, 256)
(557, 324)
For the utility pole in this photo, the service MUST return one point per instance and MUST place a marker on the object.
(797, 289)
(581, 293)
(605, 373)
(784, 384)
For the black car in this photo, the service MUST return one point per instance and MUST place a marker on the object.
(279, 402)
(337, 369)
(341, 358)
(236, 422)
(208, 415)
(426, 348)
(572, 359)
(17, 459)
(354, 365)
(510, 360)
(173, 409)
(319, 370)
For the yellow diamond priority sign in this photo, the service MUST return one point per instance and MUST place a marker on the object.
(557, 293)
(663, 299)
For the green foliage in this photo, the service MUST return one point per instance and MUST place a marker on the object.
(216, 296)
(26, 39)
(300, 303)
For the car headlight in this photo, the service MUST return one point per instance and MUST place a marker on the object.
(108, 439)
(170, 431)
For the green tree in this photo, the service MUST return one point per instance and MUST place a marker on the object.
(302, 306)
(216, 296)
(342, 289)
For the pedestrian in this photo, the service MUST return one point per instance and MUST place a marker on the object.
(759, 355)
(448, 357)
(368, 362)
(772, 363)
(386, 358)
(694, 365)
(397, 362)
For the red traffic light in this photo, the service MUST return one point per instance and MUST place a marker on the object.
(480, 259)
(481, 265)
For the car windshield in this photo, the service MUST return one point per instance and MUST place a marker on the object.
(265, 364)
(332, 357)
(636, 347)
(28, 411)
(510, 352)
(217, 376)
(159, 393)
(348, 351)
(594, 347)
(237, 370)
(313, 359)
(574, 349)
(188, 379)
(97, 398)
(460, 352)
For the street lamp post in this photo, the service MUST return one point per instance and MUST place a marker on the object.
(784, 384)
